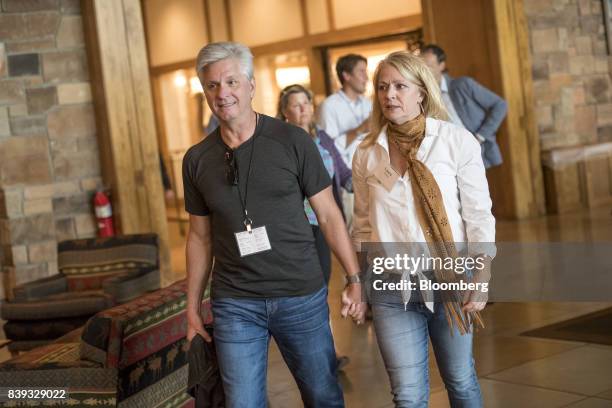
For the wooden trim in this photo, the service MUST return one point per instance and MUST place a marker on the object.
(317, 73)
(522, 172)
(429, 26)
(98, 90)
(304, 13)
(160, 122)
(529, 119)
(228, 19)
(125, 122)
(331, 16)
(207, 21)
(144, 25)
(351, 34)
(163, 69)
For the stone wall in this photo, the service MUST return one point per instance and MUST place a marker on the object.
(49, 165)
(571, 72)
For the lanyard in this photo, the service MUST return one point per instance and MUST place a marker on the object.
(248, 222)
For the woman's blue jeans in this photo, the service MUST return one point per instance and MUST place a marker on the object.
(402, 336)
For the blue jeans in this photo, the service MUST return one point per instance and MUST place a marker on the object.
(300, 327)
(402, 337)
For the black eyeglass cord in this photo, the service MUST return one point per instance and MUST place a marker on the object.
(247, 221)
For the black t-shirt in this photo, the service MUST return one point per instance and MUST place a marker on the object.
(286, 168)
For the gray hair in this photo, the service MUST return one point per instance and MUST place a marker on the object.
(218, 51)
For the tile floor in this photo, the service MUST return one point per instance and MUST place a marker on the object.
(514, 371)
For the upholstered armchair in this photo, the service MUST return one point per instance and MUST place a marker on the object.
(94, 274)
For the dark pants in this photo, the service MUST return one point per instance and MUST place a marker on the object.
(323, 252)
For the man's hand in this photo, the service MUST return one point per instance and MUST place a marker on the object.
(195, 326)
(351, 301)
(353, 134)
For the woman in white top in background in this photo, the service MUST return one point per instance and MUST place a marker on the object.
(420, 179)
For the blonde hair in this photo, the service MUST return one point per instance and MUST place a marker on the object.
(413, 69)
(283, 98)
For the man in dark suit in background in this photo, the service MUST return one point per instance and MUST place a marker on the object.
(469, 104)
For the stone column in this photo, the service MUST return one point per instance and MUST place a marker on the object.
(49, 159)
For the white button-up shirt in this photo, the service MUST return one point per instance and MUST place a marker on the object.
(452, 154)
(338, 114)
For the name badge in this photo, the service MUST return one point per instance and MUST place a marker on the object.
(253, 241)
(386, 175)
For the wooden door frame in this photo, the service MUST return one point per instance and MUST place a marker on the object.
(517, 185)
(125, 119)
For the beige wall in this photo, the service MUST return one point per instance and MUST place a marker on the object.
(318, 18)
(176, 30)
(265, 21)
(350, 13)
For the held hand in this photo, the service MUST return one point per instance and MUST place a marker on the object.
(361, 313)
(351, 300)
(195, 326)
(476, 300)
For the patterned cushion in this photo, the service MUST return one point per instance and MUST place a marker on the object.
(61, 305)
(87, 263)
(42, 329)
(132, 355)
(57, 365)
(144, 339)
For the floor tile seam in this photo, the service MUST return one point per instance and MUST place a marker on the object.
(606, 398)
(575, 402)
(540, 387)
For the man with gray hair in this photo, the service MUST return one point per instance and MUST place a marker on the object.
(244, 190)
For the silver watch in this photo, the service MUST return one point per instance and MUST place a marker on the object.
(353, 279)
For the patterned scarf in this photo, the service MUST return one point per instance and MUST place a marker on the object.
(432, 216)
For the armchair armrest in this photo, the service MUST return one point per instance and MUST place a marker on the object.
(132, 284)
(40, 288)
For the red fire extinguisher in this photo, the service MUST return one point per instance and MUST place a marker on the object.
(104, 215)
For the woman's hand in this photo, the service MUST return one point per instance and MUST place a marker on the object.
(473, 305)
(360, 316)
(476, 300)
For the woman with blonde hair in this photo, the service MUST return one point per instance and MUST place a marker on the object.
(420, 179)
